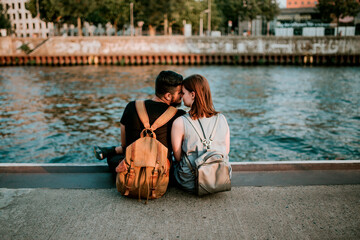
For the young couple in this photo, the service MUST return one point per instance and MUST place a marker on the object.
(178, 135)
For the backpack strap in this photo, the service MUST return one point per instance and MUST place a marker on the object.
(144, 117)
(206, 142)
(141, 111)
(187, 117)
(164, 118)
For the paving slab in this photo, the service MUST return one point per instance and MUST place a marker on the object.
(293, 212)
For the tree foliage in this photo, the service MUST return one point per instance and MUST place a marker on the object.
(330, 9)
(154, 13)
(4, 21)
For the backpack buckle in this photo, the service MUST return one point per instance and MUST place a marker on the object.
(207, 143)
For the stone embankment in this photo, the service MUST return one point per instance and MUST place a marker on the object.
(180, 50)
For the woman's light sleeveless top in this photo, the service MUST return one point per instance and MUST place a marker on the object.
(193, 147)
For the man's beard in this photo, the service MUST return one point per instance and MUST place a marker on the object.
(175, 104)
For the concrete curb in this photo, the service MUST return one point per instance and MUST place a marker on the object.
(236, 166)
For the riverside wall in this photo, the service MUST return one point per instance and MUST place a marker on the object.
(180, 50)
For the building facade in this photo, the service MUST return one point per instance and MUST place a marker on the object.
(301, 3)
(23, 24)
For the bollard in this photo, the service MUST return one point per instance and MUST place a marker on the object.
(138, 60)
(67, 60)
(202, 59)
(192, 59)
(186, 59)
(55, 60)
(2, 60)
(84, 60)
(90, 60)
(209, 59)
(98, 60)
(108, 60)
(26, 60)
(180, 59)
(78, 60)
(114, 60)
(21, 61)
(162, 60)
(144, 60)
(168, 60)
(150, 60)
(43, 60)
(156, 60)
(101, 60)
(198, 59)
(174, 60)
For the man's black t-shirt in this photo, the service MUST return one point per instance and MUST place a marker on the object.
(134, 126)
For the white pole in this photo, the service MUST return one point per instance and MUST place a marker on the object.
(131, 19)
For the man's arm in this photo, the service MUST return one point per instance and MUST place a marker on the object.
(120, 150)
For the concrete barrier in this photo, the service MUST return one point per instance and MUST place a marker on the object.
(180, 50)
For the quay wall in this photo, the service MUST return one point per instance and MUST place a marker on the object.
(180, 50)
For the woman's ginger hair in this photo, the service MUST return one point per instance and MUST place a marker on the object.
(203, 105)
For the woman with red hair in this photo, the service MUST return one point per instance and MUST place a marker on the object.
(186, 141)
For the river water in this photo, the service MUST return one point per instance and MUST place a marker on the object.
(275, 113)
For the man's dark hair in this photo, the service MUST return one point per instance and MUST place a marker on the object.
(166, 82)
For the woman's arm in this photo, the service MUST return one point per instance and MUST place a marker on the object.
(227, 141)
(227, 138)
(177, 137)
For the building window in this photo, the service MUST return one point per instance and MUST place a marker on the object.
(28, 34)
(15, 26)
(14, 16)
(40, 25)
(7, 6)
(289, 3)
(27, 26)
(295, 3)
(19, 15)
(19, 5)
(26, 15)
(302, 3)
(33, 25)
(8, 16)
(13, 6)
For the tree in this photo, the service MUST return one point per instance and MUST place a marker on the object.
(114, 11)
(269, 10)
(330, 9)
(4, 21)
(77, 9)
(46, 10)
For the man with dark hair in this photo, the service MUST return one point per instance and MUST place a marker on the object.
(168, 92)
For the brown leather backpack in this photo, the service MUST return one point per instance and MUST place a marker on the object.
(146, 171)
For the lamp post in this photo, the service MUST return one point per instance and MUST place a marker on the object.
(202, 22)
(131, 19)
(209, 17)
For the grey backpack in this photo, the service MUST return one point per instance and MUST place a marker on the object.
(212, 172)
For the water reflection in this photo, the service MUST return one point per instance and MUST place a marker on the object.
(275, 113)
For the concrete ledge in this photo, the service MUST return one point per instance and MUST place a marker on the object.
(296, 165)
(237, 166)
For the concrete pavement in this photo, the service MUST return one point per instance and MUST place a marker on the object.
(295, 212)
(284, 202)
